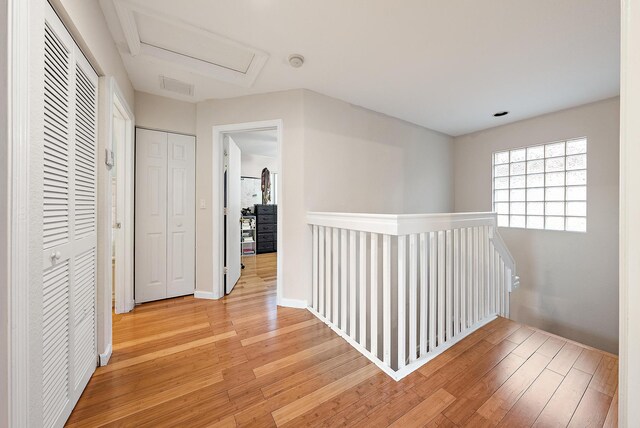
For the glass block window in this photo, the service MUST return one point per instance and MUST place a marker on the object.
(542, 187)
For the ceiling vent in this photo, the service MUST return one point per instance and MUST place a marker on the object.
(176, 86)
(166, 38)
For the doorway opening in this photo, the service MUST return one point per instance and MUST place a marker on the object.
(121, 208)
(251, 202)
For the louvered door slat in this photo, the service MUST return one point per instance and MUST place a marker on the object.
(68, 342)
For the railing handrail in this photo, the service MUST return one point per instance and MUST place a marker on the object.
(406, 224)
(400, 224)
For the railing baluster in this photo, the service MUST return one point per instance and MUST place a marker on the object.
(374, 294)
(476, 277)
(352, 284)
(321, 269)
(449, 286)
(413, 296)
(492, 288)
(456, 282)
(386, 298)
(314, 268)
(481, 282)
(424, 294)
(363, 289)
(502, 288)
(463, 279)
(487, 273)
(507, 290)
(402, 300)
(336, 275)
(433, 288)
(328, 272)
(344, 269)
(441, 286)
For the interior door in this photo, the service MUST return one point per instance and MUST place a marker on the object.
(69, 167)
(181, 215)
(151, 216)
(233, 164)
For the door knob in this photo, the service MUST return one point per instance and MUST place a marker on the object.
(55, 256)
(118, 225)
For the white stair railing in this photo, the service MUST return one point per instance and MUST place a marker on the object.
(403, 288)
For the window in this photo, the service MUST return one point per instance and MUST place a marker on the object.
(542, 187)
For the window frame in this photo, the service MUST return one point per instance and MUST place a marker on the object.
(543, 187)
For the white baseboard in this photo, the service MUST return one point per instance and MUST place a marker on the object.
(292, 303)
(104, 358)
(205, 295)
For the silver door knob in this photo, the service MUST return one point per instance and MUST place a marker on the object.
(118, 225)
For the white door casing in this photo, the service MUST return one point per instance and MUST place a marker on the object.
(181, 200)
(151, 216)
(233, 164)
(68, 336)
(165, 215)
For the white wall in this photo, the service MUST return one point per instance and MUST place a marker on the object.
(165, 114)
(569, 281)
(86, 22)
(320, 136)
(629, 386)
(252, 165)
(357, 160)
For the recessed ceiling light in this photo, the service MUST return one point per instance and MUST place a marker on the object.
(501, 113)
(296, 60)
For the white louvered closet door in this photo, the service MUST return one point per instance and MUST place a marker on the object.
(69, 355)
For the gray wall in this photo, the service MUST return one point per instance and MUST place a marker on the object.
(569, 281)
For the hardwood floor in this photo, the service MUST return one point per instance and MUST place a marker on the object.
(242, 361)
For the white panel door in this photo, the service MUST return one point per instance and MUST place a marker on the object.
(233, 163)
(151, 216)
(181, 215)
(68, 340)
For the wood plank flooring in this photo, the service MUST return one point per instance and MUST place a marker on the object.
(243, 361)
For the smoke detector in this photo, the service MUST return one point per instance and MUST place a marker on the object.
(296, 60)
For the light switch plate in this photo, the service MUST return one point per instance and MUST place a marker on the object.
(203, 204)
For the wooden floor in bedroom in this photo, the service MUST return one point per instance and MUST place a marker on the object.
(242, 361)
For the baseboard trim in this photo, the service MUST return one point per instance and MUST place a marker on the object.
(205, 295)
(104, 358)
(292, 303)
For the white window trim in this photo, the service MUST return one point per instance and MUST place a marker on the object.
(544, 187)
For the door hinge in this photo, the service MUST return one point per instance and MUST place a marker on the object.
(225, 211)
(226, 270)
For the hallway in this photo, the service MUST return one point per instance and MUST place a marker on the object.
(242, 361)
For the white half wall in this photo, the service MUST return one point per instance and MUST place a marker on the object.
(569, 281)
(165, 114)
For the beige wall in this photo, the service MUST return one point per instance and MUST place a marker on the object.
(165, 114)
(380, 163)
(281, 105)
(87, 24)
(357, 160)
(569, 281)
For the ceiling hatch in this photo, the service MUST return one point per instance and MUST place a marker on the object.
(149, 33)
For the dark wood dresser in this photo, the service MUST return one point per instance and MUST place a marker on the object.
(266, 228)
